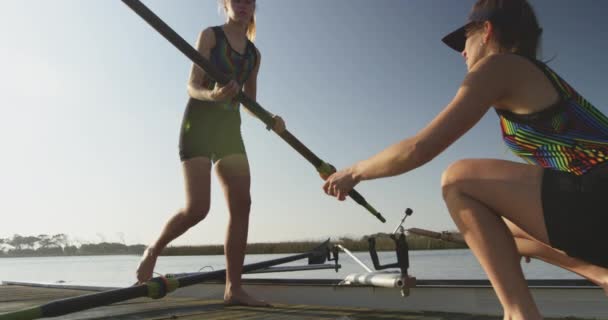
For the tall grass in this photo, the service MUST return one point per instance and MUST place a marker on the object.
(383, 243)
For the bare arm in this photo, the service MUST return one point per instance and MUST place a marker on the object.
(479, 91)
(251, 90)
(204, 44)
(251, 85)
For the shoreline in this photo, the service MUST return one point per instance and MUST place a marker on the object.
(383, 243)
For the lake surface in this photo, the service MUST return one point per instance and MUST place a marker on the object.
(119, 271)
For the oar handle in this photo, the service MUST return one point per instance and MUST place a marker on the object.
(360, 200)
(326, 169)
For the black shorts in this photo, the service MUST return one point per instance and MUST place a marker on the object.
(575, 213)
(208, 131)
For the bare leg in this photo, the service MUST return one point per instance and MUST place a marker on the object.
(197, 174)
(478, 194)
(530, 247)
(233, 172)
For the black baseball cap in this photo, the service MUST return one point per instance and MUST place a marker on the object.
(457, 38)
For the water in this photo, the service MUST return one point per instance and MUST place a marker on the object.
(119, 271)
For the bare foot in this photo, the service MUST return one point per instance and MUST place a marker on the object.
(146, 265)
(239, 297)
(600, 281)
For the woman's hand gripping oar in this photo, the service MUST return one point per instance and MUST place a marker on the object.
(326, 171)
(251, 105)
(340, 184)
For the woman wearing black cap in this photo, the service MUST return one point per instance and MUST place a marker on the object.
(547, 208)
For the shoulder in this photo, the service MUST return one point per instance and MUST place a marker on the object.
(253, 48)
(497, 63)
(498, 71)
(492, 78)
(207, 38)
(502, 67)
(256, 53)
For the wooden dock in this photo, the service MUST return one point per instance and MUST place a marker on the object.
(13, 298)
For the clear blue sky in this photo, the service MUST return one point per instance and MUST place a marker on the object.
(92, 99)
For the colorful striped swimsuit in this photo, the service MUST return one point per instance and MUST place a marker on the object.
(569, 136)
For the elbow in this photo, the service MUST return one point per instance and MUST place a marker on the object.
(420, 152)
(191, 90)
(196, 91)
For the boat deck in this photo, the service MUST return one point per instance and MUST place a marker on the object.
(13, 298)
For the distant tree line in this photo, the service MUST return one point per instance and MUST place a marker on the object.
(59, 245)
(383, 243)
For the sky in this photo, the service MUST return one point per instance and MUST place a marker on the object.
(92, 98)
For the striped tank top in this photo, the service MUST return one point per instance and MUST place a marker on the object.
(569, 136)
(232, 63)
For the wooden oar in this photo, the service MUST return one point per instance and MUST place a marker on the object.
(445, 235)
(324, 168)
(156, 288)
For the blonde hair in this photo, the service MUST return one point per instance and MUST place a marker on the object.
(250, 28)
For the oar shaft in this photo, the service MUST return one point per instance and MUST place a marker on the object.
(301, 148)
(198, 278)
(75, 304)
(69, 305)
(444, 236)
(318, 163)
(182, 45)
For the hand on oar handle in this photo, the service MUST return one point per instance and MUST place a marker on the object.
(340, 183)
(227, 92)
(327, 171)
(279, 124)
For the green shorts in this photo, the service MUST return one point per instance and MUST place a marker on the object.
(211, 132)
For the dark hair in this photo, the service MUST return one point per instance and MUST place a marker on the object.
(516, 25)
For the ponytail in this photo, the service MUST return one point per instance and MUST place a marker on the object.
(251, 29)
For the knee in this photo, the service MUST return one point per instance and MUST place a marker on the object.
(240, 203)
(195, 213)
(453, 177)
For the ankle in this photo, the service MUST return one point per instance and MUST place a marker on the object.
(522, 315)
(151, 251)
(233, 288)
